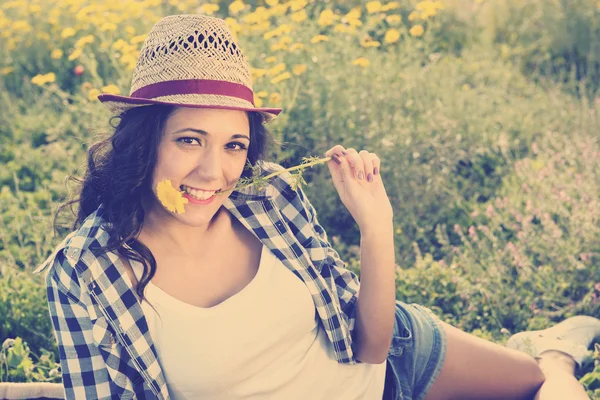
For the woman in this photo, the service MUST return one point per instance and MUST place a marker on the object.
(245, 296)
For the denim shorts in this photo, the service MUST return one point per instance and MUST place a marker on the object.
(416, 354)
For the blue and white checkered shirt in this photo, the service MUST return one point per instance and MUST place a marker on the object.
(104, 343)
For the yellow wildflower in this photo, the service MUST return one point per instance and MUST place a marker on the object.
(298, 4)
(41, 80)
(6, 70)
(282, 77)
(392, 5)
(261, 94)
(130, 30)
(272, 3)
(93, 94)
(236, 7)
(271, 59)
(275, 98)
(111, 89)
(413, 16)
(369, 43)
(209, 9)
(233, 24)
(75, 54)
(361, 62)
(299, 16)
(373, 6)
(296, 46)
(343, 28)
(276, 70)
(354, 13)
(108, 26)
(82, 41)
(257, 102)
(392, 36)
(391, 19)
(257, 73)
(170, 197)
(21, 26)
(299, 69)
(417, 30)
(138, 39)
(56, 54)
(67, 32)
(319, 38)
(327, 17)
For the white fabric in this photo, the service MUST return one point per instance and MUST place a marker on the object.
(264, 342)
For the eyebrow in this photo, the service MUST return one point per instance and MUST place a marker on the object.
(204, 133)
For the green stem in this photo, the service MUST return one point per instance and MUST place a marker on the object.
(301, 166)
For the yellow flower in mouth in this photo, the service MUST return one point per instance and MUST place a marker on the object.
(170, 197)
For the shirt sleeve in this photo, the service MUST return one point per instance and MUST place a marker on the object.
(84, 372)
(345, 282)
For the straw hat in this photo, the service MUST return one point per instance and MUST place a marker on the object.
(191, 61)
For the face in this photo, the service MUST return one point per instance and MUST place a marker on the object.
(201, 149)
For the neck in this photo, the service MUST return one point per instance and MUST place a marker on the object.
(170, 235)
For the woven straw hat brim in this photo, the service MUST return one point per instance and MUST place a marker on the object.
(118, 104)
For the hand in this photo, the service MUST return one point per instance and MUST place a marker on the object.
(366, 200)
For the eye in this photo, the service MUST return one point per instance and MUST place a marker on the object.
(187, 140)
(241, 146)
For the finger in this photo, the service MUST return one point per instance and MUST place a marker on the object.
(356, 164)
(337, 149)
(367, 165)
(376, 164)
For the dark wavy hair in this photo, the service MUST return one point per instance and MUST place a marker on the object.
(119, 175)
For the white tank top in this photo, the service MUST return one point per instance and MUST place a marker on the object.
(264, 342)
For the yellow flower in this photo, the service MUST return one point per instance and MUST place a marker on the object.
(275, 98)
(108, 26)
(327, 17)
(130, 30)
(299, 16)
(343, 28)
(6, 70)
(75, 54)
(111, 89)
(417, 30)
(319, 38)
(257, 73)
(373, 6)
(257, 102)
(56, 54)
(271, 59)
(354, 13)
(299, 69)
(392, 5)
(261, 94)
(138, 39)
(82, 41)
(22, 26)
(391, 19)
(276, 70)
(298, 4)
(93, 94)
(392, 36)
(209, 9)
(296, 46)
(170, 197)
(361, 62)
(236, 7)
(413, 16)
(370, 43)
(67, 32)
(272, 3)
(233, 25)
(41, 80)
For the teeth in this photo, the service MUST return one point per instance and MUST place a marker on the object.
(198, 194)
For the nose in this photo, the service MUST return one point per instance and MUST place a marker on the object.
(210, 165)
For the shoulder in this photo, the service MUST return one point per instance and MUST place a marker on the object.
(69, 251)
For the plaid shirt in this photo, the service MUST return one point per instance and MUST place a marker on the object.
(103, 339)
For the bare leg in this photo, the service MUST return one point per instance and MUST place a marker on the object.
(478, 369)
(560, 382)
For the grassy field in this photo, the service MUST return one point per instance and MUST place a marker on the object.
(485, 115)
